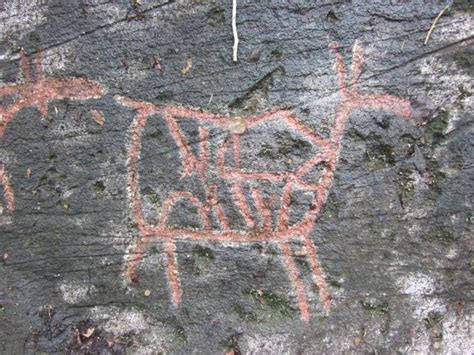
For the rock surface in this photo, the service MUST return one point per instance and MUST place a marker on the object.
(394, 233)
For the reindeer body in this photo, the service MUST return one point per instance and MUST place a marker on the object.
(192, 164)
(37, 92)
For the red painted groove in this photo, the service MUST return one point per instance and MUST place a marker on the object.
(180, 195)
(237, 177)
(216, 205)
(241, 203)
(296, 280)
(173, 277)
(37, 92)
(263, 210)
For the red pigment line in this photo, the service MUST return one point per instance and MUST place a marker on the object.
(397, 105)
(179, 195)
(236, 144)
(7, 190)
(77, 89)
(42, 105)
(214, 201)
(25, 66)
(310, 164)
(220, 158)
(139, 105)
(236, 174)
(190, 163)
(356, 68)
(264, 211)
(340, 70)
(204, 151)
(198, 115)
(245, 176)
(173, 275)
(136, 258)
(159, 233)
(320, 197)
(6, 118)
(12, 89)
(308, 186)
(39, 67)
(241, 202)
(299, 127)
(291, 120)
(318, 273)
(134, 156)
(9, 114)
(337, 130)
(285, 206)
(295, 278)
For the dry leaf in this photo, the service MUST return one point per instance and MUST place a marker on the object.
(28, 173)
(358, 341)
(299, 253)
(88, 332)
(238, 125)
(5, 256)
(98, 117)
(78, 338)
(157, 65)
(147, 293)
(254, 55)
(188, 66)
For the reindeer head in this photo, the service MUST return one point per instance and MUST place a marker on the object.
(39, 90)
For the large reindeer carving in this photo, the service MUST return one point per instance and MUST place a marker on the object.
(201, 164)
(37, 91)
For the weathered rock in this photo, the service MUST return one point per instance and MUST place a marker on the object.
(141, 99)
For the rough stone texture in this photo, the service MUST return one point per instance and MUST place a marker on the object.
(395, 235)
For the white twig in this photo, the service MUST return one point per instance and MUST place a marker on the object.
(234, 30)
(434, 23)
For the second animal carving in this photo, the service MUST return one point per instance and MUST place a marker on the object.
(36, 91)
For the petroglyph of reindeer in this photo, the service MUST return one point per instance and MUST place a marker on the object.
(203, 163)
(37, 91)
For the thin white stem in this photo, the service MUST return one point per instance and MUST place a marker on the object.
(433, 25)
(234, 30)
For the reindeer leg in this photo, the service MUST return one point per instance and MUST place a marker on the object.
(318, 273)
(295, 278)
(172, 271)
(137, 257)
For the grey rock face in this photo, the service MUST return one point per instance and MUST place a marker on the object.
(88, 263)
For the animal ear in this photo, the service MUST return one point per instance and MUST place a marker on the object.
(340, 69)
(357, 62)
(25, 66)
(39, 66)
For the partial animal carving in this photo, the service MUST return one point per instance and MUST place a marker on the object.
(36, 91)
